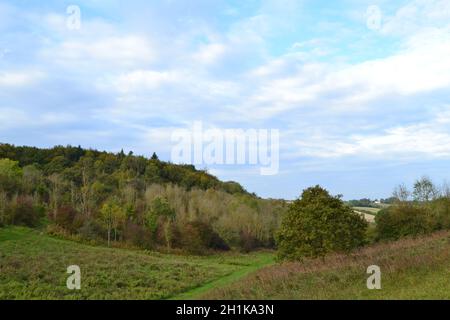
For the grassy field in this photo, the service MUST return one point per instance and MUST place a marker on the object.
(367, 210)
(410, 269)
(368, 213)
(33, 266)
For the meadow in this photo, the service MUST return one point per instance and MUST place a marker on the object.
(368, 213)
(410, 269)
(368, 210)
(33, 265)
(143, 228)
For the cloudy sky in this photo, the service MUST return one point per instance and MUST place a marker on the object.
(359, 90)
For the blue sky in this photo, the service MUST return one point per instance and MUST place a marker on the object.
(361, 107)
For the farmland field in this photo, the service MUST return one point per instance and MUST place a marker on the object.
(368, 213)
(33, 266)
(368, 210)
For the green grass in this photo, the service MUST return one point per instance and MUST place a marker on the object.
(410, 269)
(263, 260)
(33, 266)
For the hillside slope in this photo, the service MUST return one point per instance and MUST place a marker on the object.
(118, 197)
(34, 265)
(410, 269)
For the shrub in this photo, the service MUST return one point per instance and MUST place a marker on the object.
(247, 242)
(90, 230)
(319, 223)
(198, 236)
(24, 213)
(440, 213)
(403, 219)
(66, 217)
(137, 235)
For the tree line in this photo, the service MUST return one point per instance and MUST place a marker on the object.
(421, 210)
(121, 198)
(318, 223)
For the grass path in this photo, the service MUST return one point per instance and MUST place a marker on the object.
(33, 265)
(265, 260)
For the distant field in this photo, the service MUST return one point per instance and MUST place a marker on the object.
(369, 210)
(33, 266)
(410, 269)
(368, 213)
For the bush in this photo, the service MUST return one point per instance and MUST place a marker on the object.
(66, 217)
(403, 219)
(23, 212)
(137, 235)
(90, 230)
(247, 242)
(319, 223)
(440, 213)
(198, 236)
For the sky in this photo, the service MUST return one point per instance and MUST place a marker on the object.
(359, 90)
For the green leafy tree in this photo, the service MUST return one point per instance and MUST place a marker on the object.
(86, 168)
(160, 216)
(152, 172)
(120, 217)
(112, 216)
(318, 223)
(425, 190)
(10, 176)
(33, 179)
(56, 186)
(154, 156)
(402, 219)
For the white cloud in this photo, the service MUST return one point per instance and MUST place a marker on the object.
(422, 66)
(131, 78)
(143, 80)
(114, 51)
(11, 118)
(210, 53)
(429, 139)
(19, 78)
(416, 15)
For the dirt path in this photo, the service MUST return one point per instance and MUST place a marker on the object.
(223, 281)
